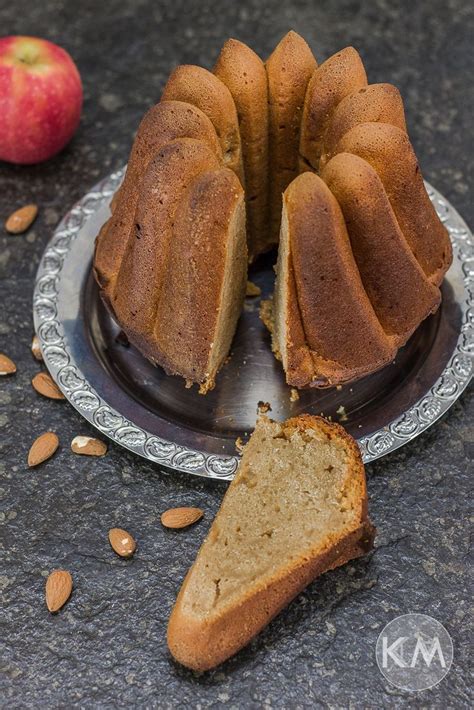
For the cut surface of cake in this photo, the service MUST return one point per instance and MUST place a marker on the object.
(296, 508)
(218, 172)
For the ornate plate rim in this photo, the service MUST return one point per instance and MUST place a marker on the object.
(57, 357)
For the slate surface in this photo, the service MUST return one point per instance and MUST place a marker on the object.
(106, 649)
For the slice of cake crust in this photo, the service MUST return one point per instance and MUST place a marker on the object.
(296, 508)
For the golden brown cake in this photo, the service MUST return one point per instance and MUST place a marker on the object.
(182, 278)
(289, 69)
(296, 508)
(378, 103)
(362, 252)
(389, 151)
(340, 75)
(318, 285)
(201, 88)
(163, 123)
(398, 289)
(243, 72)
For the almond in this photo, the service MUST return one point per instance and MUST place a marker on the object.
(20, 220)
(7, 366)
(58, 589)
(181, 517)
(87, 446)
(43, 384)
(122, 542)
(35, 348)
(43, 448)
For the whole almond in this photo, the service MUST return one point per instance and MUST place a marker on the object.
(58, 589)
(35, 348)
(122, 542)
(43, 448)
(21, 219)
(181, 517)
(7, 366)
(43, 384)
(87, 446)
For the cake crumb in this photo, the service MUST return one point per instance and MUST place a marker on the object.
(339, 388)
(253, 289)
(294, 395)
(341, 412)
(263, 407)
(239, 444)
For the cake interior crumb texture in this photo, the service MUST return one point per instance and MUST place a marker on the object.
(293, 497)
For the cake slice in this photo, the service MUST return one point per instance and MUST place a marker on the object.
(296, 508)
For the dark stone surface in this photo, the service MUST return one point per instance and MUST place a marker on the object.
(106, 648)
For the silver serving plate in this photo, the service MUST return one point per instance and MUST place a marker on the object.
(139, 407)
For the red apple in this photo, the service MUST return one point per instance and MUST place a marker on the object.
(40, 99)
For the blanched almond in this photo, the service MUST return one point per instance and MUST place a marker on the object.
(7, 366)
(87, 446)
(21, 219)
(43, 448)
(181, 517)
(58, 589)
(43, 384)
(35, 348)
(122, 542)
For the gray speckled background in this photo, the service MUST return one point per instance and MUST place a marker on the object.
(107, 647)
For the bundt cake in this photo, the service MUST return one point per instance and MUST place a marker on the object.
(250, 155)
